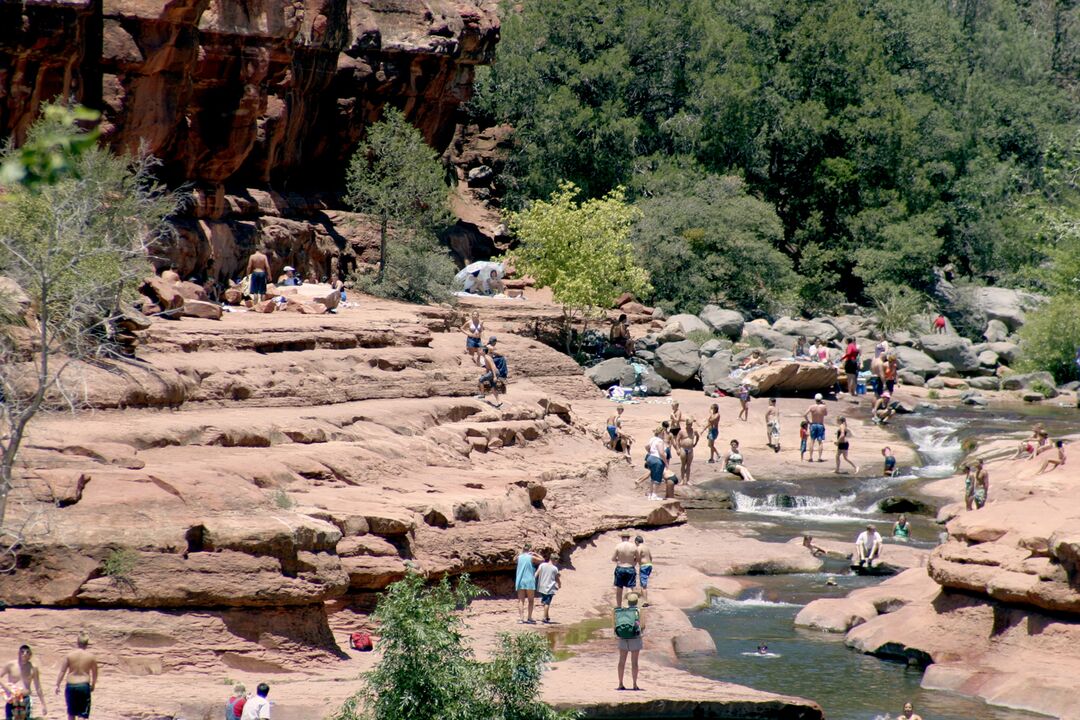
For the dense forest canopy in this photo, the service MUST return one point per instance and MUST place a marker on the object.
(792, 154)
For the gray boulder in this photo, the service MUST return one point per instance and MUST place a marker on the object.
(900, 337)
(935, 383)
(672, 332)
(1007, 352)
(728, 323)
(988, 358)
(975, 399)
(688, 323)
(646, 356)
(616, 371)
(1028, 381)
(655, 385)
(658, 313)
(945, 369)
(711, 347)
(951, 349)
(678, 361)
(907, 377)
(646, 342)
(1032, 396)
(996, 331)
(997, 303)
(777, 354)
(851, 325)
(1069, 386)
(767, 337)
(984, 383)
(915, 361)
(806, 328)
(716, 374)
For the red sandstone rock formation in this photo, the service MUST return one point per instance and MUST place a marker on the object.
(257, 106)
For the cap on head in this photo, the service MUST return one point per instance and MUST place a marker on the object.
(870, 526)
(886, 394)
(632, 598)
(818, 396)
(624, 534)
(290, 268)
(83, 640)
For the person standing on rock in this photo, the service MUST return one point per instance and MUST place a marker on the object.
(688, 440)
(257, 706)
(939, 324)
(877, 374)
(489, 381)
(981, 484)
(713, 432)
(614, 424)
(81, 668)
(626, 559)
(525, 583)
(23, 676)
(644, 568)
(474, 330)
(816, 416)
(258, 270)
(656, 462)
(851, 365)
(744, 402)
(890, 373)
(843, 445)
(234, 706)
(629, 626)
(548, 581)
(772, 426)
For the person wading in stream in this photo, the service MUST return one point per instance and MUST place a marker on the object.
(629, 625)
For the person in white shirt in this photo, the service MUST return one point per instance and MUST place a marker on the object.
(257, 707)
(868, 547)
(548, 580)
(656, 461)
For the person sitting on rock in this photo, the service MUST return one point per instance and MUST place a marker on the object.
(867, 548)
(733, 463)
(939, 324)
(494, 284)
(289, 278)
(890, 462)
(1031, 445)
(883, 409)
(1054, 463)
(800, 350)
(808, 543)
(619, 336)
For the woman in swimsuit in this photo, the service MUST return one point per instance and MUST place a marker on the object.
(733, 463)
(842, 445)
(901, 530)
(713, 432)
(890, 373)
(744, 401)
(676, 418)
(688, 440)
(474, 330)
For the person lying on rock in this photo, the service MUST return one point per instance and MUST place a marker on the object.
(733, 463)
(867, 548)
(1054, 463)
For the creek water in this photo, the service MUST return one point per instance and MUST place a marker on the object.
(812, 664)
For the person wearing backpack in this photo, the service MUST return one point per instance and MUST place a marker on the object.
(234, 707)
(629, 624)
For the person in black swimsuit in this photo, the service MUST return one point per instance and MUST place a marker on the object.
(842, 445)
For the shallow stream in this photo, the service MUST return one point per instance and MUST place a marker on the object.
(816, 665)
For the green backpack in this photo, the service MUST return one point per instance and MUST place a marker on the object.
(627, 622)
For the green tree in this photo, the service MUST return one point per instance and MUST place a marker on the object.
(581, 250)
(427, 671)
(1050, 338)
(396, 177)
(75, 224)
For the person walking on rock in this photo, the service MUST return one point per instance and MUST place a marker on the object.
(258, 270)
(772, 426)
(713, 432)
(257, 706)
(816, 415)
(843, 445)
(525, 583)
(81, 668)
(656, 462)
(688, 440)
(629, 625)
(548, 581)
(645, 568)
(981, 485)
(474, 330)
(23, 676)
(489, 381)
(626, 560)
(851, 365)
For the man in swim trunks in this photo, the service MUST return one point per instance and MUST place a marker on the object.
(890, 462)
(644, 568)
(258, 269)
(614, 424)
(816, 416)
(626, 558)
(688, 440)
(981, 484)
(713, 432)
(23, 675)
(81, 668)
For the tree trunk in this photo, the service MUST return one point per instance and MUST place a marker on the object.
(382, 250)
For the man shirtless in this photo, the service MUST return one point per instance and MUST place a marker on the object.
(489, 381)
(644, 568)
(81, 669)
(688, 440)
(258, 267)
(626, 558)
(21, 673)
(816, 415)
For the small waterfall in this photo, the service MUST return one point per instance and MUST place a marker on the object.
(838, 509)
(939, 445)
(753, 599)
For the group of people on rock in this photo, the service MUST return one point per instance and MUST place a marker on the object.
(20, 679)
(487, 357)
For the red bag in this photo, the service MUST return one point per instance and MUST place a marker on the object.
(361, 641)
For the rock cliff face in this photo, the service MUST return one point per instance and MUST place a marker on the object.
(254, 105)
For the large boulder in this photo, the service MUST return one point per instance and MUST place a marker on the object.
(1007, 352)
(201, 309)
(951, 349)
(678, 361)
(791, 377)
(655, 386)
(711, 347)
(851, 325)
(716, 374)
(806, 328)
(996, 331)
(724, 322)
(984, 304)
(616, 371)
(759, 332)
(915, 361)
(1041, 382)
(688, 323)
(162, 293)
(190, 290)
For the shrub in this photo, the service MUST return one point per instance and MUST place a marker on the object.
(897, 307)
(1042, 388)
(282, 499)
(933, 394)
(418, 270)
(119, 564)
(1050, 338)
(700, 337)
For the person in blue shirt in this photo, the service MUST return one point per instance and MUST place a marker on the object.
(525, 582)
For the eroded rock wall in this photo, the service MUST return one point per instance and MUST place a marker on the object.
(255, 105)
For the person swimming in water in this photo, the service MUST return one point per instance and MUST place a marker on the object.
(763, 649)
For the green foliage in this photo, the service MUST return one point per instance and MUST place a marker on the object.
(1044, 389)
(933, 394)
(700, 337)
(582, 251)
(704, 240)
(282, 499)
(1050, 338)
(427, 671)
(889, 136)
(419, 271)
(53, 151)
(397, 177)
(119, 564)
(897, 307)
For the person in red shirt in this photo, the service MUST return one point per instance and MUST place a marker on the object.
(234, 708)
(851, 365)
(939, 324)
